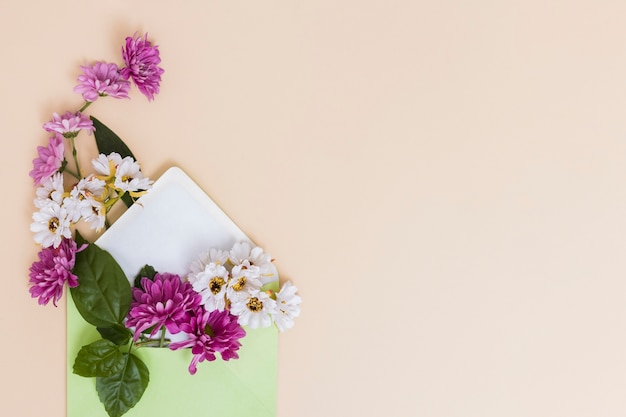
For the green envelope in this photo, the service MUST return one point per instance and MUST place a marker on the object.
(168, 228)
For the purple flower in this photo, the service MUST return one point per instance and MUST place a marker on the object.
(49, 161)
(53, 270)
(211, 332)
(142, 61)
(100, 80)
(166, 301)
(69, 124)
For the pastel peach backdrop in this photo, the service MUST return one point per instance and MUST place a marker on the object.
(444, 181)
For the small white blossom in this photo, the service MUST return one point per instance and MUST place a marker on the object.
(106, 165)
(243, 282)
(211, 285)
(287, 307)
(84, 197)
(255, 310)
(50, 225)
(51, 191)
(94, 214)
(243, 253)
(129, 178)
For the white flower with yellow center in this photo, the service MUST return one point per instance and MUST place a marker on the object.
(51, 191)
(244, 253)
(255, 310)
(85, 198)
(107, 165)
(51, 225)
(243, 282)
(95, 214)
(129, 178)
(287, 307)
(211, 285)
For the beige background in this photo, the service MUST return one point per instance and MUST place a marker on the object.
(443, 180)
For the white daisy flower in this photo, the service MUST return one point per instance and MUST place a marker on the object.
(244, 253)
(94, 214)
(74, 207)
(216, 256)
(107, 165)
(244, 281)
(84, 197)
(211, 285)
(129, 178)
(255, 310)
(51, 224)
(287, 307)
(51, 191)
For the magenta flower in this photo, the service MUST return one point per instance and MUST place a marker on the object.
(211, 332)
(100, 80)
(69, 124)
(49, 161)
(166, 301)
(53, 270)
(142, 60)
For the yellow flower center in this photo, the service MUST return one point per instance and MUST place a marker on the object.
(216, 284)
(241, 282)
(53, 224)
(254, 304)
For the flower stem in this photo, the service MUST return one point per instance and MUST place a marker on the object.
(72, 173)
(87, 104)
(162, 337)
(72, 141)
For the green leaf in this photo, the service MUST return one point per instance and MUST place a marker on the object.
(100, 358)
(107, 141)
(117, 334)
(79, 239)
(103, 294)
(147, 271)
(120, 392)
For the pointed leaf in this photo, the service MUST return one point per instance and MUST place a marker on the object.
(147, 271)
(107, 141)
(79, 239)
(103, 294)
(100, 358)
(117, 334)
(120, 392)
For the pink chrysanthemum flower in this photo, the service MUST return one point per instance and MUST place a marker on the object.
(211, 332)
(69, 124)
(49, 161)
(142, 60)
(166, 301)
(100, 80)
(53, 270)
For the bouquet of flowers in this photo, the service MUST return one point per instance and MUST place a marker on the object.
(204, 310)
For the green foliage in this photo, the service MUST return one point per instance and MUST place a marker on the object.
(101, 358)
(147, 271)
(103, 295)
(120, 392)
(117, 334)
